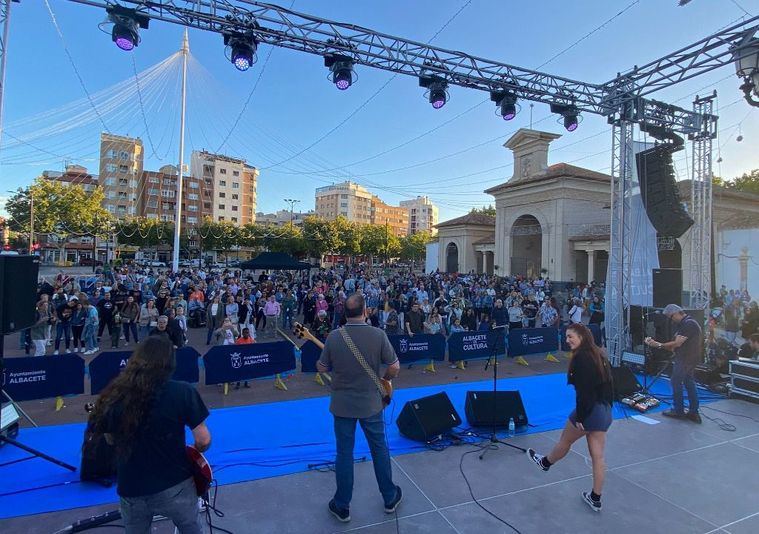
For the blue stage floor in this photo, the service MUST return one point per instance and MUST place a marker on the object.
(259, 441)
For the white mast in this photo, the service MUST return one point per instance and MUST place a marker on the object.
(178, 217)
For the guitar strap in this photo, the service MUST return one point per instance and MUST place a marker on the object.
(361, 360)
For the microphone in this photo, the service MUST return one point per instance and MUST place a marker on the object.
(92, 522)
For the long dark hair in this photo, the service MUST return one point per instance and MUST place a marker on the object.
(126, 402)
(588, 346)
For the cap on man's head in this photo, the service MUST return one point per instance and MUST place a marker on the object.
(671, 309)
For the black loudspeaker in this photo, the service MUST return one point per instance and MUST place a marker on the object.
(625, 383)
(659, 191)
(18, 292)
(482, 411)
(426, 418)
(668, 287)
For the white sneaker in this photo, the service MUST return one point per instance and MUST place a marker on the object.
(55, 353)
(68, 351)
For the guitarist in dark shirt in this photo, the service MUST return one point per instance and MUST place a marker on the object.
(143, 413)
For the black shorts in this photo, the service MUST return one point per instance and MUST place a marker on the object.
(599, 419)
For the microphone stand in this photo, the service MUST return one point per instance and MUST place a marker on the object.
(493, 440)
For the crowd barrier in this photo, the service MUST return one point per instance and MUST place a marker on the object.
(30, 377)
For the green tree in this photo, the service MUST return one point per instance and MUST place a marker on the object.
(60, 209)
(489, 210)
(748, 182)
(414, 246)
(350, 236)
(145, 233)
(321, 236)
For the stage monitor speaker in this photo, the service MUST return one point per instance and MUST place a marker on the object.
(668, 287)
(482, 411)
(18, 292)
(625, 383)
(428, 417)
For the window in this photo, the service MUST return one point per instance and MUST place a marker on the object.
(234, 207)
(123, 182)
(192, 196)
(343, 196)
(222, 207)
(223, 183)
(192, 207)
(206, 205)
(123, 168)
(165, 193)
(207, 170)
(207, 194)
(221, 217)
(192, 220)
(234, 219)
(153, 180)
(124, 155)
(252, 188)
(152, 204)
(172, 183)
(208, 182)
(194, 185)
(152, 215)
(250, 200)
(122, 195)
(235, 185)
(152, 192)
(222, 171)
(222, 194)
(166, 206)
(112, 154)
(111, 194)
(235, 173)
(235, 197)
(343, 204)
(110, 167)
(133, 183)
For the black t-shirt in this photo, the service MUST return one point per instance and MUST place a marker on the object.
(690, 351)
(158, 459)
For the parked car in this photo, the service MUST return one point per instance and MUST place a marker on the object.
(88, 262)
(156, 263)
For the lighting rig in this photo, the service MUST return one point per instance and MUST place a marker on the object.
(621, 100)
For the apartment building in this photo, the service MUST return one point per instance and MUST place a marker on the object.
(423, 214)
(347, 199)
(159, 196)
(227, 187)
(121, 166)
(74, 174)
(395, 217)
(282, 218)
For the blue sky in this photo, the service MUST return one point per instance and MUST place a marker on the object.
(295, 104)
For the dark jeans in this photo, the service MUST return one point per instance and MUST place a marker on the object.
(683, 374)
(130, 327)
(62, 330)
(345, 434)
(77, 331)
(179, 503)
(102, 326)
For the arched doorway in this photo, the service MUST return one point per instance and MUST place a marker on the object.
(451, 258)
(526, 246)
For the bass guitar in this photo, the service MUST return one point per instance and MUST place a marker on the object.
(201, 471)
(301, 332)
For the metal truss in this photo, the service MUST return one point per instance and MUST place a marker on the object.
(5, 21)
(701, 209)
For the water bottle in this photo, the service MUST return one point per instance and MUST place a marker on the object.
(512, 428)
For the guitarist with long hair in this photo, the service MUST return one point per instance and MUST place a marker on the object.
(143, 414)
(354, 354)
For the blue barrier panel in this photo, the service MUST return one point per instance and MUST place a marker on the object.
(232, 363)
(594, 329)
(472, 345)
(107, 365)
(419, 347)
(42, 377)
(532, 341)
(309, 355)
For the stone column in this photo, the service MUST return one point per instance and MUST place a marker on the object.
(591, 265)
(484, 262)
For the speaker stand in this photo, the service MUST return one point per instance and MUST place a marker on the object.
(493, 440)
(10, 441)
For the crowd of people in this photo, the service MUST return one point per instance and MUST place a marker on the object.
(129, 303)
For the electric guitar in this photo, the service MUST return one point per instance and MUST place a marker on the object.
(201, 470)
(301, 332)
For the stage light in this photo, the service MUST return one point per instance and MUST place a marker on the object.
(746, 57)
(241, 50)
(437, 90)
(507, 104)
(570, 115)
(124, 25)
(341, 69)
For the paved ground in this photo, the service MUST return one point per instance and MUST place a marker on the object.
(672, 477)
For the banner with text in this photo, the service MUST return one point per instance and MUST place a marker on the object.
(594, 329)
(107, 365)
(42, 377)
(532, 341)
(471, 345)
(232, 363)
(309, 355)
(419, 347)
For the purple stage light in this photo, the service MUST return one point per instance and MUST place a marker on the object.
(124, 37)
(342, 78)
(241, 62)
(439, 103)
(570, 122)
(124, 43)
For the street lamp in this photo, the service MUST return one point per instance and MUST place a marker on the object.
(292, 202)
(746, 57)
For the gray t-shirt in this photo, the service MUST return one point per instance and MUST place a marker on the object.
(354, 394)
